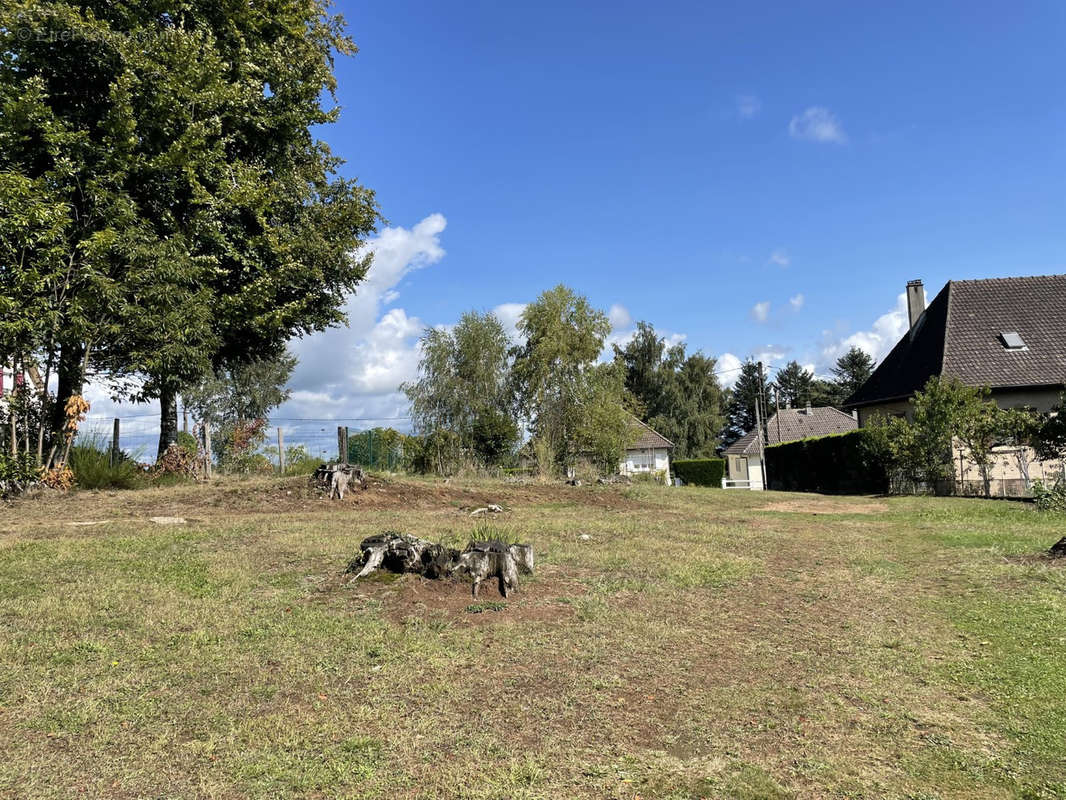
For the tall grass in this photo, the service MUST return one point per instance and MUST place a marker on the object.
(90, 460)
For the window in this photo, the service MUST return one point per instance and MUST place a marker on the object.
(1012, 341)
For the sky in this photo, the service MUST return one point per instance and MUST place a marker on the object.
(754, 179)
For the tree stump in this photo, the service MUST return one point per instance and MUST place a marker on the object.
(336, 478)
(401, 552)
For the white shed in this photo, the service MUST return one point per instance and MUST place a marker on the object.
(743, 463)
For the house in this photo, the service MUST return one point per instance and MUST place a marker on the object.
(649, 454)
(743, 458)
(1005, 333)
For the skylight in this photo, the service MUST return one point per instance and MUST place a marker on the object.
(1012, 341)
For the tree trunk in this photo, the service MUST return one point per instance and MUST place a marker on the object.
(168, 419)
(71, 380)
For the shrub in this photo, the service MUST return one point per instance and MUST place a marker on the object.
(701, 471)
(842, 463)
(1050, 498)
(17, 474)
(187, 442)
(92, 468)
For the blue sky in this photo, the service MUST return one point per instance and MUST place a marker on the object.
(757, 178)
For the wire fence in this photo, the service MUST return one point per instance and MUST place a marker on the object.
(371, 441)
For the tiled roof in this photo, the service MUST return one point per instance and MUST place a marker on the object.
(795, 423)
(649, 439)
(803, 423)
(958, 336)
(744, 446)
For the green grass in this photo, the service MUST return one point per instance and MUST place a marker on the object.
(697, 643)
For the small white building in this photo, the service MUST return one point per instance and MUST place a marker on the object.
(743, 463)
(744, 468)
(648, 455)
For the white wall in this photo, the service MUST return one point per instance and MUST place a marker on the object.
(647, 461)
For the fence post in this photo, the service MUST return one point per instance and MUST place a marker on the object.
(207, 450)
(342, 444)
(281, 452)
(114, 443)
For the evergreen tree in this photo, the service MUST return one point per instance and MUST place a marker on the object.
(851, 371)
(677, 394)
(750, 385)
(794, 385)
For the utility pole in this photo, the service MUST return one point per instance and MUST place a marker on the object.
(281, 452)
(758, 426)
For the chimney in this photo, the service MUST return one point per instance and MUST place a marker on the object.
(808, 411)
(915, 301)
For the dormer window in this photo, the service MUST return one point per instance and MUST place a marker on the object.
(1012, 341)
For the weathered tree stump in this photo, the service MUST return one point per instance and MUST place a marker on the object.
(336, 478)
(400, 552)
(1058, 550)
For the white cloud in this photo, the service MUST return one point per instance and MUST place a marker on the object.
(748, 105)
(509, 315)
(878, 340)
(770, 354)
(619, 316)
(817, 124)
(360, 368)
(779, 257)
(728, 369)
(760, 311)
(797, 301)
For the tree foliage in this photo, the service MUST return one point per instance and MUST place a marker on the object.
(750, 385)
(851, 371)
(460, 402)
(554, 383)
(793, 385)
(676, 394)
(181, 213)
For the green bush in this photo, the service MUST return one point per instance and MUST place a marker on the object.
(92, 468)
(17, 473)
(1050, 498)
(841, 463)
(187, 442)
(701, 471)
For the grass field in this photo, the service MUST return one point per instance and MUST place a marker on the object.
(673, 644)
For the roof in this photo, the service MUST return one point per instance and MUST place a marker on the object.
(795, 423)
(744, 446)
(960, 336)
(649, 439)
(790, 424)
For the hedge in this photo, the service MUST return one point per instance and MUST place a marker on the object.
(841, 463)
(700, 471)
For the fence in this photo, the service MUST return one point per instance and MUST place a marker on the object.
(324, 439)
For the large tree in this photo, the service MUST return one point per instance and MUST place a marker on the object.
(552, 370)
(677, 394)
(460, 402)
(751, 386)
(202, 222)
(851, 371)
(794, 385)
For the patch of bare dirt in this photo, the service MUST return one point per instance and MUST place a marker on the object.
(410, 598)
(821, 506)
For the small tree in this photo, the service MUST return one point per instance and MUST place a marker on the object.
(1021, 427)
(978, 426)
(605, 426)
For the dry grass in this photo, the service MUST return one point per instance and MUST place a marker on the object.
(696, 644)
